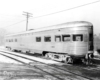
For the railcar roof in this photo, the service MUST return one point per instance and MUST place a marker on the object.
(58, 26)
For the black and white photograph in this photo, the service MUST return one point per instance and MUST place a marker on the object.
(49, 40)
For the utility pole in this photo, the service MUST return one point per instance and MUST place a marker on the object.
(27, 17)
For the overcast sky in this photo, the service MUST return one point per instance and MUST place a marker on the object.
(13, 21)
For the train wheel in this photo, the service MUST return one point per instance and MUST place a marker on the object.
(46, 55)
(69, 60)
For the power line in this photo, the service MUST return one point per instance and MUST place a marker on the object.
(69, 9)
(7, 15)
(29, 14)
(14, 24)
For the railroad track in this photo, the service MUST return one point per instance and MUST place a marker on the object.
(54, 71)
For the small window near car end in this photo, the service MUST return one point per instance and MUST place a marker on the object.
(38, 39)
(15, 40)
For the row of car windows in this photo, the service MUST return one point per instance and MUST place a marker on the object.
(11, 40)
(58, 38)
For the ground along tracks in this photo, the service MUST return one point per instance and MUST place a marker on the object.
(51, 71)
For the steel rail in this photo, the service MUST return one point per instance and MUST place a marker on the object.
(58, 78)
(50, 66)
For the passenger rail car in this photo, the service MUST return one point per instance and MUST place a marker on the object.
(64, 42)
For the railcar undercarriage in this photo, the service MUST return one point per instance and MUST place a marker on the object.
(87, 59)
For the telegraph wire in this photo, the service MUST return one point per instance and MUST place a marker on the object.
(59, 11)
(69, 9)
(15, 23)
